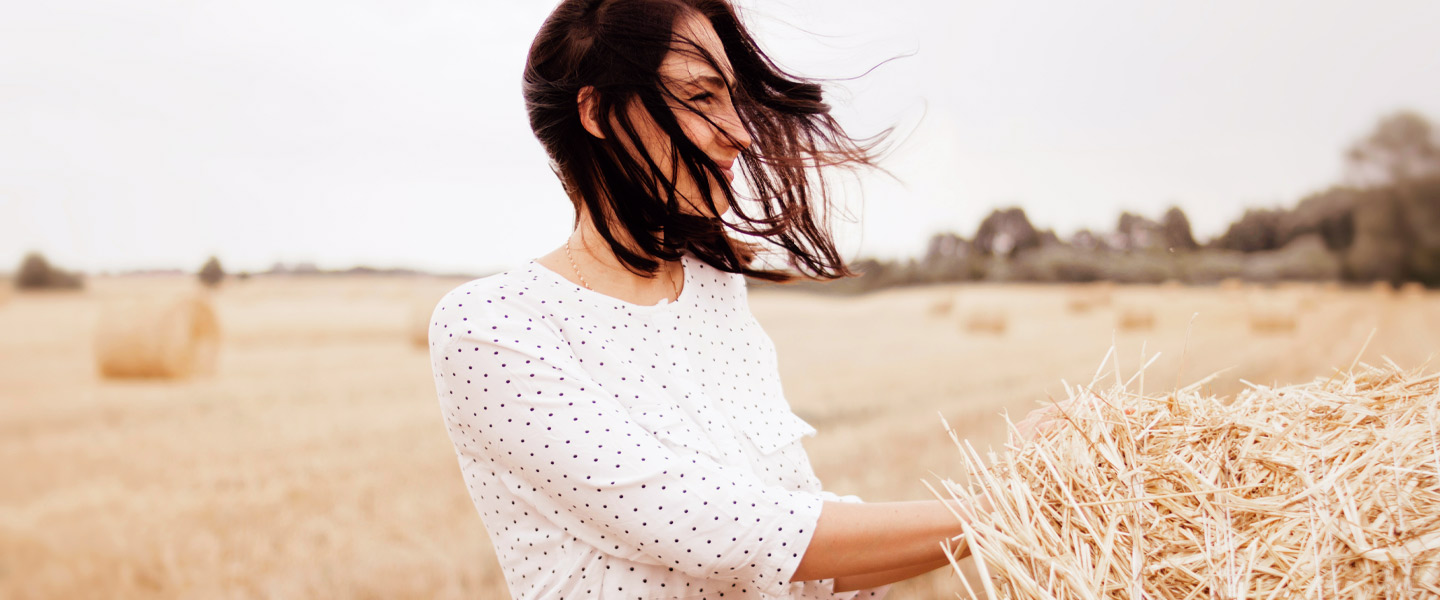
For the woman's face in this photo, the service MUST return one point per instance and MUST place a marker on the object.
(690, 78)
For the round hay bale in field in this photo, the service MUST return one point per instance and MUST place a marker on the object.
(1412, 290)
(1382, 288)
(1232, 284)
(1133, 317)
(1078, 303)
(986, 320)
(165, 338)
(1272, 317)
(1084, 298)
(419, 326)
(1322, 490)
(942, 306)
(1084, 302)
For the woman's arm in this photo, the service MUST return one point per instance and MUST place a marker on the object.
(865, 545)
(869, 545)
(851, 583)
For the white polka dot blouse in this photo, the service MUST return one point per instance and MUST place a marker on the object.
(615, 450)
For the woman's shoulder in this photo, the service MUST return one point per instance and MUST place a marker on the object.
(505, 285)
(496, 301)
(716, 284)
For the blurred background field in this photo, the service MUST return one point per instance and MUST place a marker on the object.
(313, 462)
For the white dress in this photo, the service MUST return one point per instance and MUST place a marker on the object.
(615, 450)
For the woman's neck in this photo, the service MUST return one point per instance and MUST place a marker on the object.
(590, 262)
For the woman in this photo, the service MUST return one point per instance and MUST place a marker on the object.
(616, 410)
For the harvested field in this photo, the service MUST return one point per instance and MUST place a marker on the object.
(1270, 316)
(313, 463)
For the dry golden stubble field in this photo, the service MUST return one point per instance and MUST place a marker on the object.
(314, 463)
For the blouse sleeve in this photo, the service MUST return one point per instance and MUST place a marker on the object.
(516, 399)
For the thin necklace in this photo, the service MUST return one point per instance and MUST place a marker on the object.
(572, 264)
(673, 285)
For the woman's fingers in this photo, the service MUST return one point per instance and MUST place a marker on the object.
(1038, 422)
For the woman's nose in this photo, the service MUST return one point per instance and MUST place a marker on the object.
(734, 129)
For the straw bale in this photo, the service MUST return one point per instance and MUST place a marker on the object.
(1232, 284)
(419, 327)
(1272, 317)
(1382, 288)
(986, 320)
(1132, 317)
(1086, 297)
(1079, 303)
(942, 306)
(165, 337)
(1329, 489)
(1412, 290)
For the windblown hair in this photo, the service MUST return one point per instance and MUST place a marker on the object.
(617, 46)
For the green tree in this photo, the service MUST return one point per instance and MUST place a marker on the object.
(36, 273)
(1256, 231)
(1330, 213)
(1135, 232)
(1397, 218)
(1402, 148)
(211, 273)
(1005, 232)
(1175, 227)
(1381, 239)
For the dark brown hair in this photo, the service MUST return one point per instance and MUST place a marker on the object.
(617, 47)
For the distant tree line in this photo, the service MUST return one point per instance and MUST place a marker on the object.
(37, 273)
(1382, 223)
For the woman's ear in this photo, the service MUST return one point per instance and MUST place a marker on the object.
(589, 105)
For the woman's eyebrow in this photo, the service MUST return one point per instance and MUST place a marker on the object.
(712, 81)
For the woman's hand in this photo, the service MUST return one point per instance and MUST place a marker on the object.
(1040, 420)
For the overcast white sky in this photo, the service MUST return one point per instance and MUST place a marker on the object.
(392, 133)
